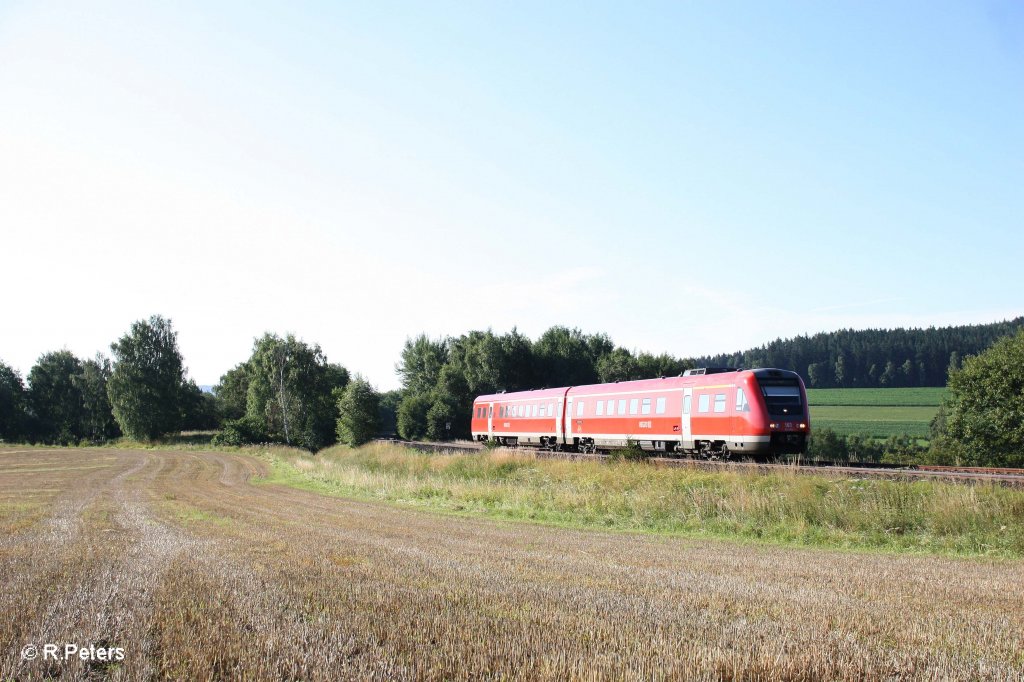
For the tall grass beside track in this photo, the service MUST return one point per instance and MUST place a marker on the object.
(785, 507)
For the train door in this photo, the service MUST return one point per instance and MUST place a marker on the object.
(687, 407)
(568, 420)
(490, 421)
(559, 407)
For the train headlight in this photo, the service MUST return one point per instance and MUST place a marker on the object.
(803, 426)
(773, 425)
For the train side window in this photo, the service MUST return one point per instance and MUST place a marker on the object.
(611, 407)
(600, 408)
(551, 409)
(686, 404)
(622, 406)
(659, 407)
(634, 404)
(703, 402)
(741, 401)
(501, 412)
(720, 402)
(645, 406)
(490, 411)
(579, 409)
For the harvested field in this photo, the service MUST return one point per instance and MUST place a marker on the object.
(197, 574)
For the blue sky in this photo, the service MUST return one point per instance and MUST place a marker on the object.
(687, 177)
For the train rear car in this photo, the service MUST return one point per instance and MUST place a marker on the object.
(527, 417)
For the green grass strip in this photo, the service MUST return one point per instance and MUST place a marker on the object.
(784, 508)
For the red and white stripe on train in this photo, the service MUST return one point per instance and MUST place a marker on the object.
(711, 412)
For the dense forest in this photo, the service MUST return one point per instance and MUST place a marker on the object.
(872, 357)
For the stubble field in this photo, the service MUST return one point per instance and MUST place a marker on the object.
(196, 573)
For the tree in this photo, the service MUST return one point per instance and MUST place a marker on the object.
(888, 374)
(618, 365)
(451, 405)
(358, 413)
(664, 365)
(985, 406)
(421, 363)
(56, 397)
(387, 413)
(198, 408)
(840, 371)
(147, 385)
(565, 357)
(815, 373)
(98, 423)
(13, 405)
(291, 396)
(412, 416)
(232, 392)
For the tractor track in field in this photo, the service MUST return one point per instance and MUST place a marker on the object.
(199, 573)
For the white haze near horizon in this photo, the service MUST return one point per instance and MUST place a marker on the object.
(689, 180)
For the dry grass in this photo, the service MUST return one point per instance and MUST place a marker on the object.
(199, 575)
(783, 507)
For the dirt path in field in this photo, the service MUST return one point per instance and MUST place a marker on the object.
(196, 573)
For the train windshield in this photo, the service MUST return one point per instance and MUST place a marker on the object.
(783, 401)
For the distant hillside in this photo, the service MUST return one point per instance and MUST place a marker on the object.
(872, 357)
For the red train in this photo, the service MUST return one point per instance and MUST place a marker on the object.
(713, 412)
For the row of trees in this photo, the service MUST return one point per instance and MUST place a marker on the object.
(142, 393)
(288, 392)
(285, 392)
(873, 357)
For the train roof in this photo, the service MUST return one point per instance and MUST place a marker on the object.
(523, 395)
(660, 383)
(712, 376)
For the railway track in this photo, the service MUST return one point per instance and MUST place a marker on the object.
(1002, 476)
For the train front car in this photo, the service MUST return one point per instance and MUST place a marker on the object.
(783, 415)
(756, 413)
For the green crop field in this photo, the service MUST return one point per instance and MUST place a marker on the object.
(872, 428)
(877, 412)
(894, 397)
